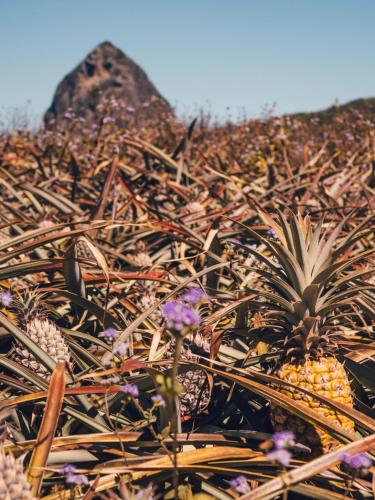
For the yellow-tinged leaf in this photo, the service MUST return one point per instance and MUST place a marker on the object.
(202, 455)
(98, 256)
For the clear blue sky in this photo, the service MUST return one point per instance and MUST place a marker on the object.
(242, 54)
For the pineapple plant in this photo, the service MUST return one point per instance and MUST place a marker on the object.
(13, 482)
(33, 320)
(308, 280)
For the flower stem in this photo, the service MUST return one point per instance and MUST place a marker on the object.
(174, 418)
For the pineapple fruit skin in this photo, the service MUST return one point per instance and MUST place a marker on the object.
(13, 482)
(48, 337)
(324, 377)
(195, 396)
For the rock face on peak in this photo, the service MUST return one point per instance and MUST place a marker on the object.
(106, 73)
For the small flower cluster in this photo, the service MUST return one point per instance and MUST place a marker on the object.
(240, 484)
(272, 233)
(180, 314)
(6, 299)
(119, 350)
(279, 453)
(130, 389)
(109, 334)
(71, 477)
(357, 464)
(158, 401)
(194, 296)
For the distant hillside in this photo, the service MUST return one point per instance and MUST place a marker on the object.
(365, 106)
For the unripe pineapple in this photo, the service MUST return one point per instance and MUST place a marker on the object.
(306, 283)
(196, 395)
(34, 322)
(147, 299)
(13, 482)
(83, 250)
(140, 258)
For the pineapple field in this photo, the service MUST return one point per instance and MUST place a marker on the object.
(187, 308)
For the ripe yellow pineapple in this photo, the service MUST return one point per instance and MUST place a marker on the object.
(308, 280)
(326, 377)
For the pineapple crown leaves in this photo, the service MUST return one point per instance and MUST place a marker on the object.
(29, 303)
(309, 280)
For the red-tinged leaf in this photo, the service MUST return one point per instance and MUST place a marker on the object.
(132, 364)
(47, 429)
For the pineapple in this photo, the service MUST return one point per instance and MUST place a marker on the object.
(196, 393)
(33, 320)
(13, 482)
(140, 258)
(308, 281)
(83, 250)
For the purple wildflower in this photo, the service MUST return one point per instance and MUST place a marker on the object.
(109, 334)
(110, 380)
(356, 462)
(272, 233)
(121, 349)
(279, 455)
(68, 468)
(283, 439)
(180, 315)
(194, 296)
(240, 484)
(130, 389)
(6, 298)
(158, 400)
(71, 477)
(76, 479)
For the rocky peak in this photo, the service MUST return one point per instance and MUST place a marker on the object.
(105, 73)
